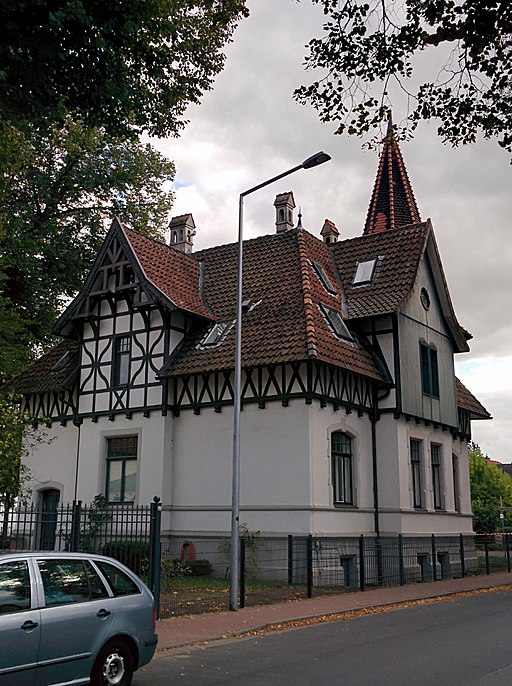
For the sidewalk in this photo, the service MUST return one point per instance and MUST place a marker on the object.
(180, 631)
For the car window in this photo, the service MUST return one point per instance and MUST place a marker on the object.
(14, 586)
(69, 581)
(120, 583)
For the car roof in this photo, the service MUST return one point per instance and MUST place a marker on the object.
(6, 554)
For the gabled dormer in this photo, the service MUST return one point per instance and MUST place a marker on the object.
(139, 300)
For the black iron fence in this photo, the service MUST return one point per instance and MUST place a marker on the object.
(195, 573)
(131, 534)
(192, 575)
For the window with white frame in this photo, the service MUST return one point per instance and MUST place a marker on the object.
(342, 459)
(435, 465)
(121, 477)
(417, 490)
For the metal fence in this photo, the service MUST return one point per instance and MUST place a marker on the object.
(192, 575)
(128, 533)
(195, 572)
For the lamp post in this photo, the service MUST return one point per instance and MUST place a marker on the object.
(313, 161)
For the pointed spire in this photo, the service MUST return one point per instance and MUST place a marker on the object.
(393, 204)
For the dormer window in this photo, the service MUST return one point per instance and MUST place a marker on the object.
(324, 278)
(335, 322)
(217, 333)
(64, 360)
(365, 272)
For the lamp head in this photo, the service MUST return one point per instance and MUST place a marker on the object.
(315, 160)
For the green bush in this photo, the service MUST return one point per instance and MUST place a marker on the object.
(133, 554)
(200, 568)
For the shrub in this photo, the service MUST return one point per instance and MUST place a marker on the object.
(173, 568)
(200, 568)
(133, 554)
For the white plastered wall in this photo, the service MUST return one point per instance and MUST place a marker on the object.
(285, 471)
(395, 482)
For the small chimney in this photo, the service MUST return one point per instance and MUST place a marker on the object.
(329, 232)
(183, 231)
(284, 204)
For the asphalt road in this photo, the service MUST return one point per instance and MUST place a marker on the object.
(462, 642)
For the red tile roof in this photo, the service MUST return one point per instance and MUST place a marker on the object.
(287, 324)
(392, 204)
(175, 274)
(467, 401)
(401, 251)
(44, 375)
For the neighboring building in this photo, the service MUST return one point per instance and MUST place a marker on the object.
(353, 420)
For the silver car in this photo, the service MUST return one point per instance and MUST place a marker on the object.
(72, 618)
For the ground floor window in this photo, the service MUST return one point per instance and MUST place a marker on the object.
(417, 490)
(456, 489)
(121, 478)
(342, 468)
(435, 463)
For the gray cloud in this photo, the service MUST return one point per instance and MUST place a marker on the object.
(249, 128)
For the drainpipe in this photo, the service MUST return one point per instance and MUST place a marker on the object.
(77, 461)
(374, 418)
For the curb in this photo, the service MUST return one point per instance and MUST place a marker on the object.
(338, 615)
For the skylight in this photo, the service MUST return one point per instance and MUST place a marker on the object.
(364, 272)
(64, 360)
(217, 333)
(335, 322)
(324, 278)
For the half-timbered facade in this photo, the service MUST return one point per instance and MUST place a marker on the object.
(353, 420)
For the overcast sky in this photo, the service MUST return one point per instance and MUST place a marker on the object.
(249, 129)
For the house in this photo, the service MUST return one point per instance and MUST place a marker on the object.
(353, 421)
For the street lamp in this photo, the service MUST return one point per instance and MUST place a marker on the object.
(313, 161)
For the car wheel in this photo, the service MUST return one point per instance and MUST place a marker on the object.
(113, 666)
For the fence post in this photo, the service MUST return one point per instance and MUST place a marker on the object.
(487, 565)
(290, 559)
(462, 557)
(242, 571)
(507, 549)
(309, 565)
(154, 551)
(76, 513)
(401, 570)
(434, 558)
(362, 579)
(378, 550)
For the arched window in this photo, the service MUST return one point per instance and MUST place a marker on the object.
(342, 460)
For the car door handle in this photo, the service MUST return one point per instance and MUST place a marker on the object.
(29, 625)
(102, 613)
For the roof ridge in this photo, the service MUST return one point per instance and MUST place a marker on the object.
(307, 294)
